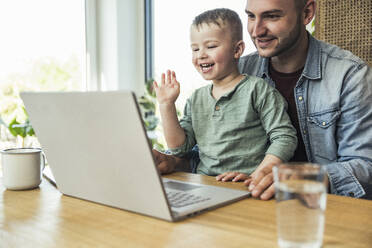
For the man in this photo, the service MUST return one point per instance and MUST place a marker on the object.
(329, 94)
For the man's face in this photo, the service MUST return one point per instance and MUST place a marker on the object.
(275, 26)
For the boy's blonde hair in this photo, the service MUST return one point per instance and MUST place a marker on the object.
(220, 17)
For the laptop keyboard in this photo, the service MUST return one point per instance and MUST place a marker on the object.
(179, 199)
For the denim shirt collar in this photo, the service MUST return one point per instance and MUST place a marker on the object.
(312, 69)
(263, 71)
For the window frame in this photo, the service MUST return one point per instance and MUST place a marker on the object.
(116, 51)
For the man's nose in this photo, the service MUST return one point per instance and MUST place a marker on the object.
(257, 28)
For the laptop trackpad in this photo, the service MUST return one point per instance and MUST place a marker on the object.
(180, 186)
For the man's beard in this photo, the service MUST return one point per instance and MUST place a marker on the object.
(288, 42)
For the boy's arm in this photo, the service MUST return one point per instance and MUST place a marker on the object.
(166, 94)
(272, 109)
(173, 132)
(283, 141)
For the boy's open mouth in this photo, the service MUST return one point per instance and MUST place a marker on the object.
(206, 67)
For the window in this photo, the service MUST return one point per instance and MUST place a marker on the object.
(42, 49)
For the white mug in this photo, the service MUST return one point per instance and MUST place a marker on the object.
(22, 168)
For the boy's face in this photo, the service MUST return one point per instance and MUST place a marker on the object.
(212, 51)
(275, 26)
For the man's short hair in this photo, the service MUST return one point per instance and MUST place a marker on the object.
(220, 17)
(300, 4)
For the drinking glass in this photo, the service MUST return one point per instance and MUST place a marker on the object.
(301, 193)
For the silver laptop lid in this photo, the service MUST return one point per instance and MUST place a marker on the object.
(91, 141)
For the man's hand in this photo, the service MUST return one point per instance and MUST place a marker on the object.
(165, 163)
(169, 163)
(261, 183)
(232, 176)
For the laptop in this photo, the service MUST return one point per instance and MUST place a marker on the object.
(97, 149)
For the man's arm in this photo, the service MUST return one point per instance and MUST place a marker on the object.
(351, 175)
(353, 168)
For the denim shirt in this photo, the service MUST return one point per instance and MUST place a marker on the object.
(334, 105)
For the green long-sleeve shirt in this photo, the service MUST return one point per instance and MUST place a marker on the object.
(236, 131)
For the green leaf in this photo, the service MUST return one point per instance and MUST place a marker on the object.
(29, 129)
(157, 145)
(24, 111)
(17, 129)
(150, 89)
(21, 129)
(147, 105)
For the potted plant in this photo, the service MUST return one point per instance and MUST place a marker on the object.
(147, 104)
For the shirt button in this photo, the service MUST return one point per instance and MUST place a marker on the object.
(323, 123)
(217, 108)
(300, 98)
(304, 131)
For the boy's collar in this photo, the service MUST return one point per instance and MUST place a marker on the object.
(230, 93)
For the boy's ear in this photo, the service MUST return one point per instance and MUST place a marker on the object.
(239, 49)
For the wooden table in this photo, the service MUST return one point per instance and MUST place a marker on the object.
(45, 218)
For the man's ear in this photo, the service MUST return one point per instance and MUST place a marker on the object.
(309, 11)
(239, 49)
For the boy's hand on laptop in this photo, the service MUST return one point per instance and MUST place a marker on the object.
(261, 182)
(169, 89)
(232, 176)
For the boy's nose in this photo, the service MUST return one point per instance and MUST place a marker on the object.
(202, 53)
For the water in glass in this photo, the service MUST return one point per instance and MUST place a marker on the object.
(300, 213)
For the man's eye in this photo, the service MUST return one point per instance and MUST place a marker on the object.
(251, 17)
(272, 16)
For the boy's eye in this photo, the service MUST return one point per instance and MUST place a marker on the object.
(213, 46)
(195, 49)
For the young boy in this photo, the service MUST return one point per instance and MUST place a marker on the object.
(239, 121)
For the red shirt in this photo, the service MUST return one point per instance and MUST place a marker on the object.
(285, 84)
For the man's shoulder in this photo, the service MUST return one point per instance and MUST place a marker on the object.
(252, 57)
(250, 64)
(335, 54)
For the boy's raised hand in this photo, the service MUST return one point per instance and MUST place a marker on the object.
(169, 89)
